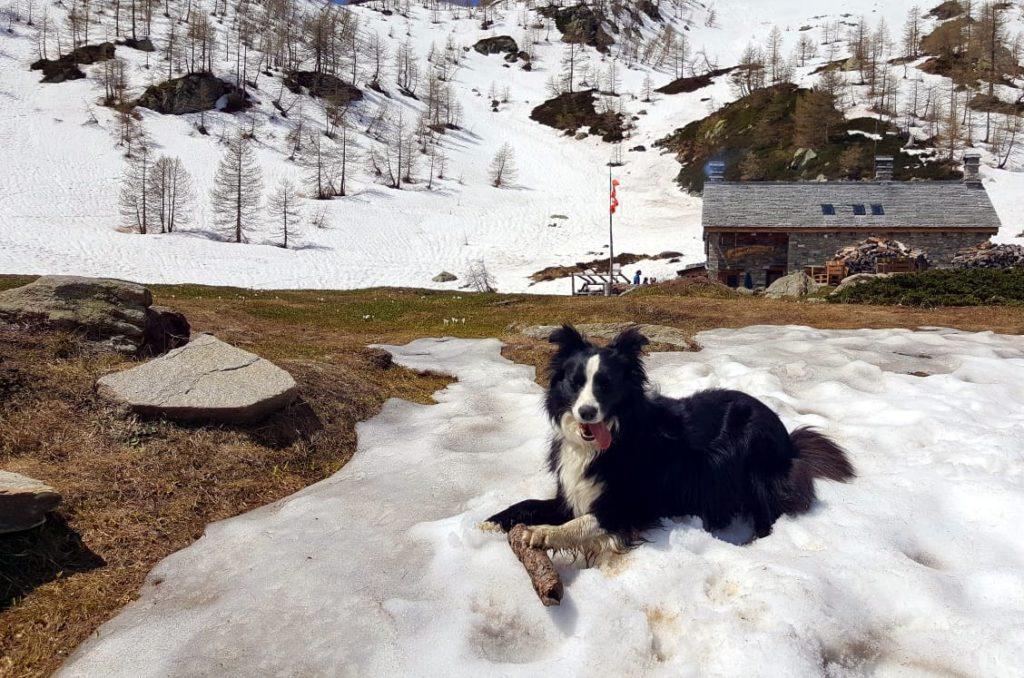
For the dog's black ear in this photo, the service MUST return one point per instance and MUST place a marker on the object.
(629, 342)
(568, 339)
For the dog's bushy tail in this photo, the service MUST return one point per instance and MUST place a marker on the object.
(818, 456)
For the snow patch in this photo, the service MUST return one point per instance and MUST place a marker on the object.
(916, 568)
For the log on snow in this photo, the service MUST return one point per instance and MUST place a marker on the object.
(538, 565)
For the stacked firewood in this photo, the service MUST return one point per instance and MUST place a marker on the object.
(864, 257)
(989, 255)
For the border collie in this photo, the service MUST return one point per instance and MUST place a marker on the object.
(625, 457)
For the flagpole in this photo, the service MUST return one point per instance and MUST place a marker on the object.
(611, 238)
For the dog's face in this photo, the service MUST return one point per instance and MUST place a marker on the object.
(591, 386)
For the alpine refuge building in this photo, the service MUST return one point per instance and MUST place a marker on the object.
(757, 232)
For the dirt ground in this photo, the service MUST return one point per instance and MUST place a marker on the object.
(137, 490)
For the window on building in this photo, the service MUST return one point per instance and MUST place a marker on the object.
(828, 210)
(877, 210)
(859, 210)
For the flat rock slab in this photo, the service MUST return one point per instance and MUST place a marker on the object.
(24, 502)
(658, 334)
(205, 380)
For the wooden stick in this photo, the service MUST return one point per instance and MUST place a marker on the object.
(538, 565)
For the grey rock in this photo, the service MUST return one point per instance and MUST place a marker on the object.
(794, 285)
(500, 44)
(745, 291)
(115, 313)
(112, 311)
(659, 334)
(857, 279)
(24, 502)
(205, 380)
(444, 276)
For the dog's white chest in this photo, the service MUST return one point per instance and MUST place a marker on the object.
(580, 492)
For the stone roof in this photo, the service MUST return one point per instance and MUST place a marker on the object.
(939, 205)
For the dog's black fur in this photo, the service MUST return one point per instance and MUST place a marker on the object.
(717, 454)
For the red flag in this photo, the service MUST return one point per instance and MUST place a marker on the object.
(614, 195)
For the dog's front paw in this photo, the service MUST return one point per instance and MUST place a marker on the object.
(539, 537)
(488, 526)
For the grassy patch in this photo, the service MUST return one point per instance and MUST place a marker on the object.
(931, 289)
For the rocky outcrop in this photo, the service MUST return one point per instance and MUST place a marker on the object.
(116, 313)
(500, 44)
(573, 110)
(793, 285)
(24, 502)
(66, 67)
(580, 23)
(658, 334)
(141, 44)
(323, 85)
(193, 93)
(205, 380)
(444, 276)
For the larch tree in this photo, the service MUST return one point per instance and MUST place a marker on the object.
(285, 212)
(815, 118)
(171, 194)
(137, 209)
(237, 186)
(503, 166)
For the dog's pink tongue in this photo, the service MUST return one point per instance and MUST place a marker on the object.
(602, 436)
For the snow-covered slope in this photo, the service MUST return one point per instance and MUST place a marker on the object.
(61, 168)
(914, 569)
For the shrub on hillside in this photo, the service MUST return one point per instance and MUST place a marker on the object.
(944, 287)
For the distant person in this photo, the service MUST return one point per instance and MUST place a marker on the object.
(636, 278)
(645, 282)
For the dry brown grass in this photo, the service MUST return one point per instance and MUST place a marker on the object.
(136, 490)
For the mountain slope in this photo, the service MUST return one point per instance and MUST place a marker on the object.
(62, 165)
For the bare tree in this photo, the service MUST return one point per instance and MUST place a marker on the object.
(479, 278)
(315, 156)
(503, 166)
(237, 186)
(285, 212)
(136, 208)
(394, 160)
(320, 218)
(171, 194)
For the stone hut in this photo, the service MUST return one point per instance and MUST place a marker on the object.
(766, 230)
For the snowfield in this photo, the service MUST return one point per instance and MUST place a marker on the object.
(61, 168)
(914, 569)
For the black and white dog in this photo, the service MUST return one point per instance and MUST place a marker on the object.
(625, 458)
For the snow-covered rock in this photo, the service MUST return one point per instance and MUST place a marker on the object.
(916, 568)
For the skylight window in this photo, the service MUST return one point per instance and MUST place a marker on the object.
(859, 210)
(877, 210)
(828, 210)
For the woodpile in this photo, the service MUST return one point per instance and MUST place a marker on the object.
(989, 255)
(865, 257)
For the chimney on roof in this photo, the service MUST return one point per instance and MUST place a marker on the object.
(972, 169)
(883, 168)
(716, 171)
